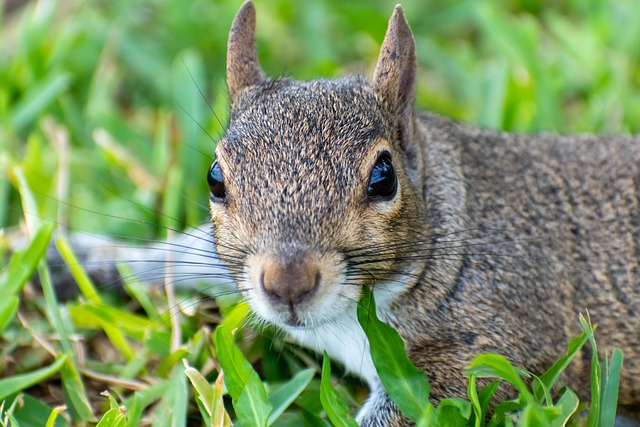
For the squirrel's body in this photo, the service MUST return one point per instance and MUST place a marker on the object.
(473, 241)
(551, 229)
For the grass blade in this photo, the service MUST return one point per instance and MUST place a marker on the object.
(281, 399)
(567, 406)
(16, 383)
(334, 406)
(407, 385)
(37, 99)
(593, 419)
(550, 377)
(247, 391)
(495, 365)
(610, 386)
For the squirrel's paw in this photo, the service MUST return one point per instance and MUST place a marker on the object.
(380, 411)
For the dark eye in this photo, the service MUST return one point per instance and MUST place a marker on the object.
(216, 183)
(383, 182)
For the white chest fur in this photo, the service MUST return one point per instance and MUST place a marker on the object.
(345, 341)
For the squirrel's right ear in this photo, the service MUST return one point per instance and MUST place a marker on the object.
(243, 69)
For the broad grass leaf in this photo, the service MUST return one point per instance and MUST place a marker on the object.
(219, 415)
(406, 385)
(140, 293)
(37, 98)
(285, 395)
(243, 383)
(495, 365)
(172, 410)
(480, 400)
(610, 386)
(75, 393)
(334, 406)
(89, 291)
(8, 308)
(16, 383)
(593, 419)
(566, 406)
(313, 420)
(453, 412)
(24, 263)
(534, 415)
(143, 399)
(29, 411)
(549, 378)
(502, 410)
(202, 387)
(252, 406)
(112, 418)
(476, 406)
(485, 395)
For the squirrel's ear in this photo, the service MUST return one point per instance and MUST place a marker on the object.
(395, 74)
(243, 69)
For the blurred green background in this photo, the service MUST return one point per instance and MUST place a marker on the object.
(144, 71)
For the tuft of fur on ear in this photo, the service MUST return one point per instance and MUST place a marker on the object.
(395, 74)
(243, 68)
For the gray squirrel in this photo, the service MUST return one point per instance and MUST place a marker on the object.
(473, 241)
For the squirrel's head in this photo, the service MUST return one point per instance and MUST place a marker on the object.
(317, 185)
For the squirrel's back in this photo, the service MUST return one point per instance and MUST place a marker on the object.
(552, 229)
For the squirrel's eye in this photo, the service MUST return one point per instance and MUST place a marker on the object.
(216, 183)
(383, 182)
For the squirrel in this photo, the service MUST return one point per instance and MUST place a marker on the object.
(472, 240)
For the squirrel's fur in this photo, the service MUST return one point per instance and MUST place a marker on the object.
(494, 242)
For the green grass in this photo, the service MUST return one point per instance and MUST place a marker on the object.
(103, 129)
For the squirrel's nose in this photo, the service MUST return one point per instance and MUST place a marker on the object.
(290, 283)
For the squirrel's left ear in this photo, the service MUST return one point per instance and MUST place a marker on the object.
(395, 74)
(243, 68)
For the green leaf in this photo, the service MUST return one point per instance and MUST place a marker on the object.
(476, 406)
(243, 383)
(24, 264)
(334, 406)
(112, 418)
(281, 399)
(610, 386)
(406, 385)
(494, 365)
(8, 309)
(173, 404)
(593, 419)
(202, 387)
(16, 383)
(485, 395)
(534, 415)
(89, 291)
(37, 98)
(453, 412)
(566, 406)
(549, 378)
(500, 414)
(75, 393)
(31, 412)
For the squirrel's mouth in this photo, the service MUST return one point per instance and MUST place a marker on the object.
(294, 321)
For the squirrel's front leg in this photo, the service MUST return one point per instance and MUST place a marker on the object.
(380, 411)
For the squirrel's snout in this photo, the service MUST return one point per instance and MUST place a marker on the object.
(290, 283)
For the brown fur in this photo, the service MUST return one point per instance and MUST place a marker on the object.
(494, 242)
